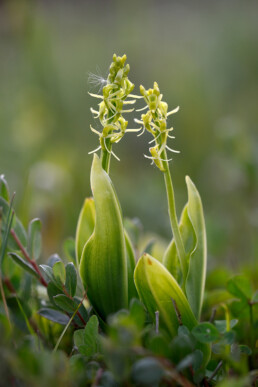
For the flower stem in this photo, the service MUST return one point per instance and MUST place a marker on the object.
(173, 218)
(106, 152)
(26, 256)
(105, 156)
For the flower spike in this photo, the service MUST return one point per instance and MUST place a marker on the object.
(115, 91)
(155, 122)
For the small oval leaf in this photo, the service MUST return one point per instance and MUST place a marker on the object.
(71, 279)
(59, 272)
(54, 315)
(34, 239)
(24, 264)
(206, 332)
(65, 303)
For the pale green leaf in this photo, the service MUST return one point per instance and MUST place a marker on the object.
(195, 281)
(103, 266)
(85, 226)
(132, 292)
(159, 291)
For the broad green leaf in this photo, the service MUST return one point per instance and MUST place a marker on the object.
(192, 229)
(157, 288)
(59, 272)
(170, 259)
(34, 239)
(91, 336)
(65, 303)
(240, 287)
(85, 229)
(159, 291)
(54, 315)
(24, 264)
(195, 281)
(87, 340)
(78, 337)
(132, 292)
(206, 332)
(4, 189)
(71, 279)
(85, 226)
(103, 266)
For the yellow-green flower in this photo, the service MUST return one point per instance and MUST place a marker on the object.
(112, 106)
(155, 122)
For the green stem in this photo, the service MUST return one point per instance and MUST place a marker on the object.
(106, 151)
(105, 156)
(173, 218)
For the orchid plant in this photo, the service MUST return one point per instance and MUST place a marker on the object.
(107, 263)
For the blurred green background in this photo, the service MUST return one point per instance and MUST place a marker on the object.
(204, 56)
